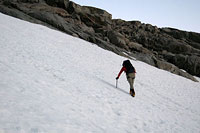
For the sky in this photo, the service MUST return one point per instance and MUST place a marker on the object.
(179, 14)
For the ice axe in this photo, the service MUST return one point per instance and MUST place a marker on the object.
(116, 82)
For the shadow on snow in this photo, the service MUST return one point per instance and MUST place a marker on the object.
(113, 86)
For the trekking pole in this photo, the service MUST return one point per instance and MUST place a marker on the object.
(116, 82)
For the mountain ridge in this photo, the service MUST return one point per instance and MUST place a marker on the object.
(166, 48)
(55, 85)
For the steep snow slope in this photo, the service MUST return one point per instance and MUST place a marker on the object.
(54, 83)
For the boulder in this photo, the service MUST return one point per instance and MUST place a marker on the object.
(29, 1)
(193, 65)
(173, 69)
(91, 16)
(117, 39)
(138, 48)
(178, 34)
(58, 3)
(189, 63)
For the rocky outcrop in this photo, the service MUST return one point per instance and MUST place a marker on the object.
(58, 3)
(92, 17)
(167, 45)
(166, 48)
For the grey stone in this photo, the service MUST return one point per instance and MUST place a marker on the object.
(166, 48)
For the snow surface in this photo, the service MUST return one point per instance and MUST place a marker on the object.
(51, 82)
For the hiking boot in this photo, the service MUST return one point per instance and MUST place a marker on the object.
(132, 92)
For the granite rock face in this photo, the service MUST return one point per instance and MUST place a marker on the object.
(166, 48)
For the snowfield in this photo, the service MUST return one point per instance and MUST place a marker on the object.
(51, 82)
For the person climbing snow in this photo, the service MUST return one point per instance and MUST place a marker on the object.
(130, 75)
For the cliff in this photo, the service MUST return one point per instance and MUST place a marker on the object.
(166, 48)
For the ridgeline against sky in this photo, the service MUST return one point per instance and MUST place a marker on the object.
(179, 14)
